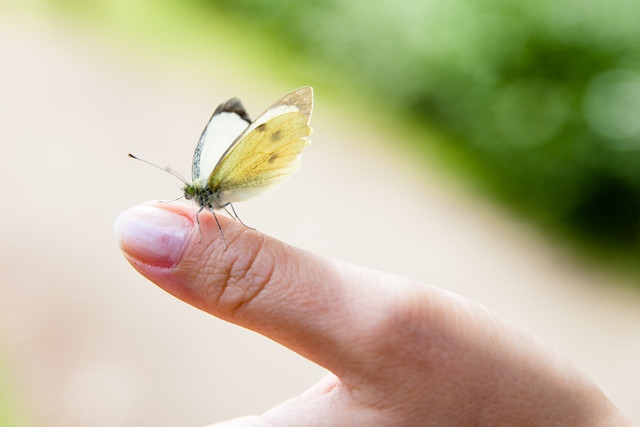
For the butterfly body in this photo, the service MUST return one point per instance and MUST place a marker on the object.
(202, 195)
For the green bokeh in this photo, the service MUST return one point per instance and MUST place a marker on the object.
(540, 100)
(11, 412)
(544, 97)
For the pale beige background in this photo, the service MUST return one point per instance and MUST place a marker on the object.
(89, 342)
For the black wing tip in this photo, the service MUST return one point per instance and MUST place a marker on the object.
(233, 106)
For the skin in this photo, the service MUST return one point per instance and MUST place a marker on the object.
(400, 352)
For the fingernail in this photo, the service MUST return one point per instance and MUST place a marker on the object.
(152, 235)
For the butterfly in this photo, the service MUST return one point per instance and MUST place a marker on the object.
(237, 159)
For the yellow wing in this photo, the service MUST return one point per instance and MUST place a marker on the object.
(267, 153)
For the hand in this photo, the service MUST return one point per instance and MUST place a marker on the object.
(400, 352)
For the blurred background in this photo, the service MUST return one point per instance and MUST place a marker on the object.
(491, 149)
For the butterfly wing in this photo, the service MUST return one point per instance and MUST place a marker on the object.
(228, 121)
(267, 152)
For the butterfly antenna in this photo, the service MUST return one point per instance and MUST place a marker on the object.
(167, 169)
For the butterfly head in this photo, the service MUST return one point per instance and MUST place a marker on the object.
(190, 191)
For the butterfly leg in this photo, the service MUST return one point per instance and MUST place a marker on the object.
(198, 221)
(235, 215)
(173, 200)
(224, 241)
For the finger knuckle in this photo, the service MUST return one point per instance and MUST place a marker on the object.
(244, 279)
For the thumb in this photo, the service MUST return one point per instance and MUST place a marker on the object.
(402, 351)
(292, 296)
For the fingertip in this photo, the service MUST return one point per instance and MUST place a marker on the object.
(153, 235)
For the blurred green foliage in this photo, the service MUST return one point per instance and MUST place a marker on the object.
(11, 414)
(540, 100)
(543, 96)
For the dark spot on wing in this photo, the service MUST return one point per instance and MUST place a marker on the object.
(276, 135)
(262, 127)
(273, 157)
